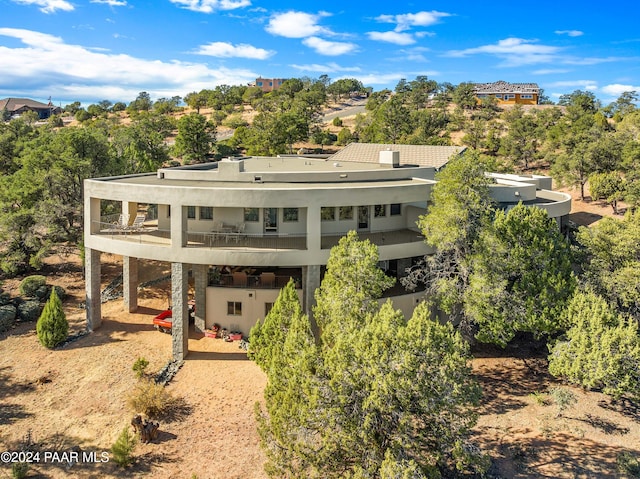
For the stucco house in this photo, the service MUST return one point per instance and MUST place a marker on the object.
(239, 229)
(508, 93)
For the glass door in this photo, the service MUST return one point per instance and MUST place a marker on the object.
(363, 218)
(270, 220)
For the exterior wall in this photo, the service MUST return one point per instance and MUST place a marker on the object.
(517, 99)
(253, 306)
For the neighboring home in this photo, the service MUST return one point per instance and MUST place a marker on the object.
(237, 230)
(508, 93)
(268, 84)
(18, 106)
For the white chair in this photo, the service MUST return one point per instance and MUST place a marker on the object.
(122, 223)
(138, 223)
(239, 233)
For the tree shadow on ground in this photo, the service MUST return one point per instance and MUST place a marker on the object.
(218, 356)
(177, 410)
(625, 406)
(508, 374)
(583, 218)
(9, 388)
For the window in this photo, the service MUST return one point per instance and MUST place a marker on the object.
(289, 214)
(234, 308)
(395, 209)
(346, 213)
(379, 211)
(251, 214)
(267, 308)
(509, 96)
(191, 212)
(259, 83)
(206, 212)
(526, 96)
(168, 211)
(327, 213)
(482, 95)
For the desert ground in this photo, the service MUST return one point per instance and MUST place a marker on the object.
(76, 397)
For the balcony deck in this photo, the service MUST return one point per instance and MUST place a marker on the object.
(250, 242)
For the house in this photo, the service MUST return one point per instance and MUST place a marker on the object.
(508, 93)
(18, 106)
(239, 229)
(268, 84)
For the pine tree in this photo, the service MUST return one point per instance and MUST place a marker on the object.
(52, 327)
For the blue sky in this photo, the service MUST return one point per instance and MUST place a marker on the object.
(92, 50)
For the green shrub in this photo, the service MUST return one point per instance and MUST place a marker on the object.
(337, 121)
(563, 398)
(52, 327)
(628, 464)
(19, 470)
(140, 367)
(123, 448)
(30, 285)
(150, 399)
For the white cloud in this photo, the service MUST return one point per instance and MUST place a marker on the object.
(571, 33)
(228, 50)
(392, 37)
(588, 85)
(325, 47)
(325, 68)
(407, 20)
(210, 6)
(50, 67)
(48, 6)
(514, 52)
(296, 25)
(112, 3)
(550, 71)
(617, 89)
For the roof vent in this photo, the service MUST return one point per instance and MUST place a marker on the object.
(389, 159)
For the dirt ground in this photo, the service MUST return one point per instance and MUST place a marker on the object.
(76, 397)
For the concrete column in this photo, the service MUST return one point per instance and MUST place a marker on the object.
(178, 226)
(200, 276)
(314, 229)
(92, 288)
(130, 208)
(310, 282)
(180, 314)
(130, 283)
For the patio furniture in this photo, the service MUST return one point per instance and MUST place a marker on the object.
(122, 223)
(267, 280)
(138, 223)
(240, 278)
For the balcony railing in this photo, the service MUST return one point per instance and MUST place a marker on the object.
(151, 234)
(259, 281)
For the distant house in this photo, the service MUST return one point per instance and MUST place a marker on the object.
(269, 84)
(508, 93)
(18, 106)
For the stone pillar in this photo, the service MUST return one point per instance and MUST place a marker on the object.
(180, 313)
(130, 283)
(200, 277)
(92, 288)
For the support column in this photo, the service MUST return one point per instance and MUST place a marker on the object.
(180, 314)
(310, 282)
(200, 276)
(314, 229)
(130, 283)
(92, 288)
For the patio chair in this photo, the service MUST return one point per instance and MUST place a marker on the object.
(239, 278)
(138, 223)
(122, 223)
(268, 280)
(239, 232)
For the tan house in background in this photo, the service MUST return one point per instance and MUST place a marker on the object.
(508, 93)
(268, 84)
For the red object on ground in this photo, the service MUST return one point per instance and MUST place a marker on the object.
(162, 321)
(235, 336)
